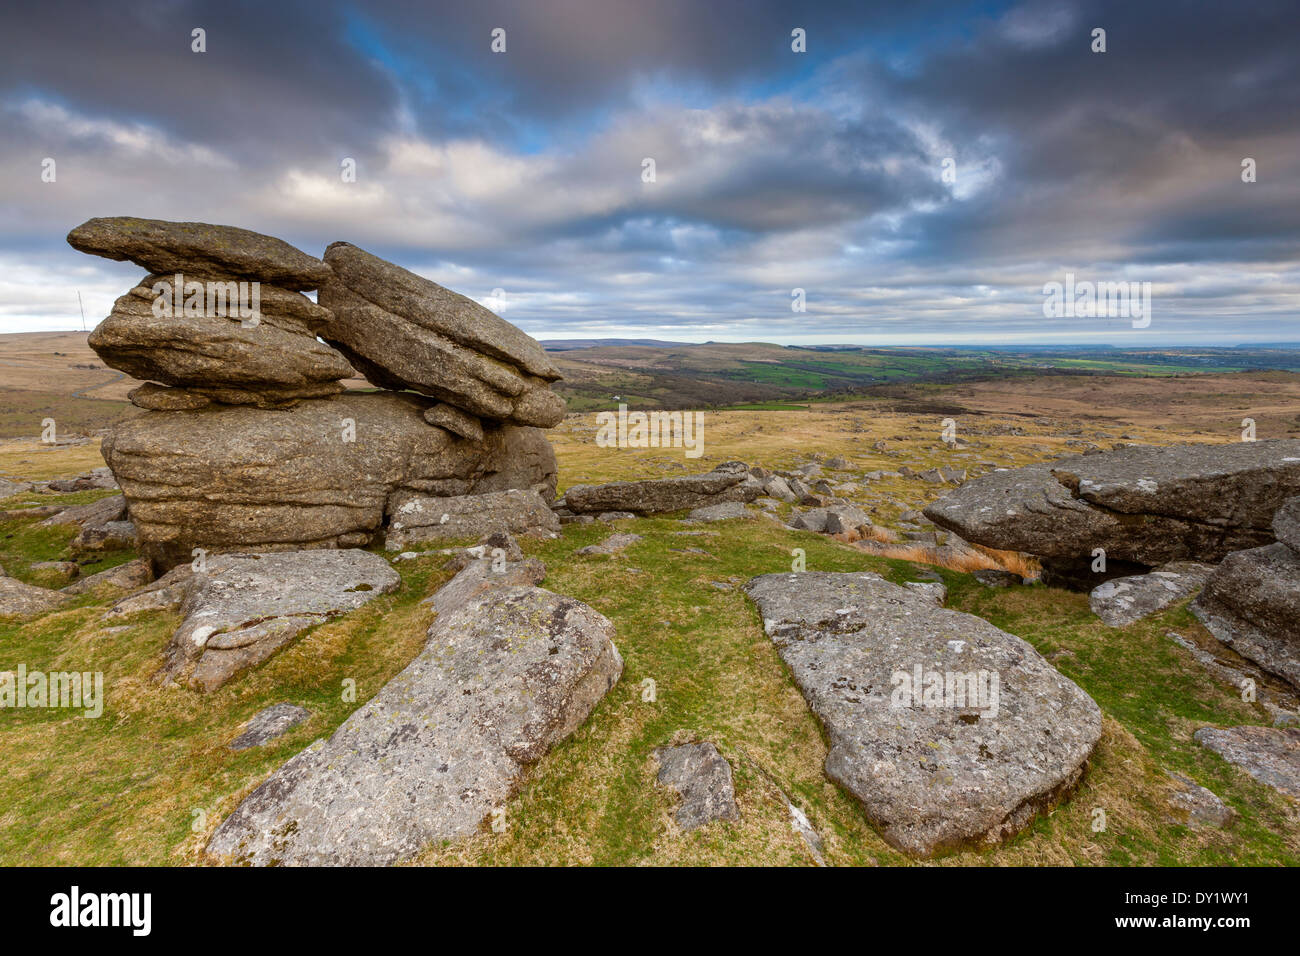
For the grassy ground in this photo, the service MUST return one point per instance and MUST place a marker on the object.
(149, 780)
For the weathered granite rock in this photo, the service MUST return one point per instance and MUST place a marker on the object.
(93, 515)
(479, 577)
(199, 248)
(27, 600)
(403, 331)
(1252, 603)
(1197, 806)
(499, 545)
(268, 724)
(1144, 505)
(123, 577)
(727, 482)
(1122, 601)
(844, 519)
(95, 479)
(779, 488)
(702, 778)
(935, 591)
(726, 511)
(419, 519)
(1286, 523)
(1004, 737)
(320, 474)
(611, 545)
(242, 608)
(67, 570)
(455, 421)
(10, 487)
(161, 398)
(105, 537)
(275, 361)
(1269, 754)
(503, 678)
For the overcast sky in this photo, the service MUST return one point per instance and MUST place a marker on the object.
(517, 177)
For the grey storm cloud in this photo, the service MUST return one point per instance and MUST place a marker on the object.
(522, 172)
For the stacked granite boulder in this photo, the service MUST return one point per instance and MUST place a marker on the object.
(250, 440)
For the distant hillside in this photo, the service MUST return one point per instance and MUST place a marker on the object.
(565, 345)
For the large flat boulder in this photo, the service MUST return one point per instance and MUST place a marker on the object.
(1252, 603)
(403, 331)
(221, 357)
(726, 483)
(506, 674)
(199, 249)
(242, 608)
(950, 732)
(1145, 506)
(319, 474)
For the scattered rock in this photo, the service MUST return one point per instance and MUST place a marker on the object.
(497, 546)
(26, 600)
(610, 516)
(702, 777)
(836, 520)
(723, 512)
(933, 773)
(244, 607)
(111, 535)
(96, 480)
(123, 577)
(9, 487)
(995, 577)
(1122, 601)
(1198, 807)
(65, 569)
(1269, 754)
(611, 545)
(502, 679)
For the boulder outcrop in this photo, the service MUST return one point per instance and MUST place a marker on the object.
(248, 441)
(1144, 506)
